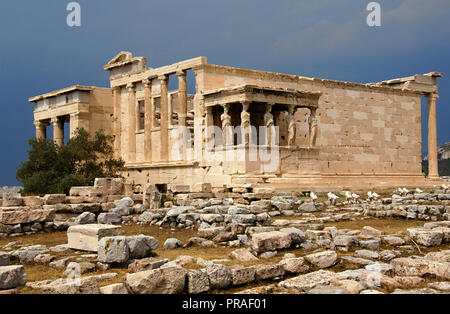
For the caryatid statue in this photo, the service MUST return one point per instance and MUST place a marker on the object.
(292, 129)
(245, 123)
(312, 120)
(227, 130)
(269, 123)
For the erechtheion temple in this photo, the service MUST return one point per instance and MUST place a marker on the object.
(248, 127)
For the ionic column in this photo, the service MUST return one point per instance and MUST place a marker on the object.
(164, 82)
(131, 122)
(41, 130)
(182, 98)
(117, 120)
(432, 137)
(58, 131)
(245, 123)
(148, 123)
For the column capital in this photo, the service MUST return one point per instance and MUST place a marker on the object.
(181, 73)
(433, 96)
(163, 77)
(147, 82)
(130, 86)
(40, 123)
(54, 120)
(116, 88)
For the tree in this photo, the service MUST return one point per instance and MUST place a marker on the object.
(55, 169)
(443, 166)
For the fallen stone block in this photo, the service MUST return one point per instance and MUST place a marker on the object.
(271, 241)
(141, 246)
(267, 271)
(197, 282)
(157, 281)
(53, 199)
(86, 237)
(322, 259)
(147, 264)
(426, 237)
(242, 274)
(295, 265)
(243, 255)
(25, 215)
(118, 288)
(12, 200)
(219, 276)
(12, 277)
(305, 283)
(113, 250)
(4, 259)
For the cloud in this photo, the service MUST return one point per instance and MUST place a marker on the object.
(414, 24)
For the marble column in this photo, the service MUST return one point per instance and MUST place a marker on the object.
(41, 130)
(164, 82)
(131, 122)
(117, 120)
(148, 120)
(182, 98)
(58, 131)
(432, 137)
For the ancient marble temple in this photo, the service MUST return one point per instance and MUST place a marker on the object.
(243, 127)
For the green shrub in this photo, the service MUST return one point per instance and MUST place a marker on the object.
(55, 169)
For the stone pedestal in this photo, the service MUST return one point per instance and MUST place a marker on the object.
(86, 237)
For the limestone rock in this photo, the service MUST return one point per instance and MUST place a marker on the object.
(109, 218)
(86, 237)
(426, 237)
(4, 259)
(267, 271)
(295, 265)
(157, 281)
(12, 277)
(305, 283)
(85, 218)
(243, 255)
(113, 250)
(140, 246)
(118, 288)
(271, 241)
(322, 259)
(242, 274)
(219, 276)
(147, 264)
(197, 282)
(172, 243)
(53, 199)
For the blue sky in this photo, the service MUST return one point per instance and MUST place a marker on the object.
(317, 38)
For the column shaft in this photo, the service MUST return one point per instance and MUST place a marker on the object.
(58, 131)
(148, 121)
(131, 123)
(182, 98)
(164, 118)
(117, 121)
(432, 138)
(41, 130)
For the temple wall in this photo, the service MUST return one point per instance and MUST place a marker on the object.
(361, 129)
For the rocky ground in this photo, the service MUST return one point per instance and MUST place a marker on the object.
(243, 242)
